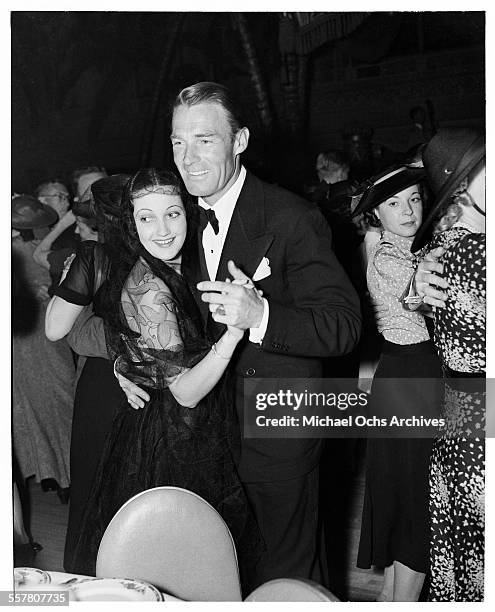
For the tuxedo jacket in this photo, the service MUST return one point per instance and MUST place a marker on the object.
(313, 309)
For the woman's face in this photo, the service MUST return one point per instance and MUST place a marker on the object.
(84, 230)
(161, 224)
(402, 213)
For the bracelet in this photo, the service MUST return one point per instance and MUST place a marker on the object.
(217, 353)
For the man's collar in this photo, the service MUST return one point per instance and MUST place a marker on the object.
(225, 205)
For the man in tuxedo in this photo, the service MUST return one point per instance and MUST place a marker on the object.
(309, 310)
(301, 309)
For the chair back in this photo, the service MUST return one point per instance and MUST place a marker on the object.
(291, 589)
(175, 540)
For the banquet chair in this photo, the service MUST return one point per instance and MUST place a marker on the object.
(291, 589)
(175, 540)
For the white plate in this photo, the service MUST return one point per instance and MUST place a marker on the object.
(114, 589)
(30, 576)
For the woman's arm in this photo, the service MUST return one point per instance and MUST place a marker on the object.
(150, 311)
(60, 317)
(74, 292)
(191, 386)
(41, 252)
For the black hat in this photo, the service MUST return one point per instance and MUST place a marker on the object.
(379, 188)
(29, 213)
(107, 194)
(448, 158)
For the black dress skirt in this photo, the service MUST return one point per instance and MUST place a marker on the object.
(395, 522)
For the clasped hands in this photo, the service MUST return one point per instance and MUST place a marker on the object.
(427, 283)
(235, 303)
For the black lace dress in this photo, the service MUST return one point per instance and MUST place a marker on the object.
(165, 443)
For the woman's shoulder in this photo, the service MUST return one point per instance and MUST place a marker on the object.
(386, 249)
(142, 279)
(448, 238)
(469, 251)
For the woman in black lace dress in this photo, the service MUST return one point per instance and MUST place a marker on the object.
(187, 434)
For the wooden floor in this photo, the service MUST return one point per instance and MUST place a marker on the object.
(342, 495)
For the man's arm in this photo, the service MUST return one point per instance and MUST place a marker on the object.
(87, 336)
(41, 252)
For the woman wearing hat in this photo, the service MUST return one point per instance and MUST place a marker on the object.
(43, 372)
(97, 393)
(455, 165)
(395, 523)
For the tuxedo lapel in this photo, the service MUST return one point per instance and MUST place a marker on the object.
(247, 240)
(202, 274)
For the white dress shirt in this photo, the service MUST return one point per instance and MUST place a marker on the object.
(213, 243)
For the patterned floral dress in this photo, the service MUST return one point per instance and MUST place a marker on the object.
(457, 471)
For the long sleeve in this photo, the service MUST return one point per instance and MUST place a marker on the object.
(389, 273)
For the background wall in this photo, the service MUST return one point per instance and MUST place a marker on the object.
(83, 84)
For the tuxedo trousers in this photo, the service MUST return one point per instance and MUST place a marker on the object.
(290, 523)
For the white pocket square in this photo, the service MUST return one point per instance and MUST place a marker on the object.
(263, 270)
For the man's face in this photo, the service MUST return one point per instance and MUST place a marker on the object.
(205, 150)
(329, 171)
(56, 196)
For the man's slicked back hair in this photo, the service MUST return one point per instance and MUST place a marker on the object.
(214, 93)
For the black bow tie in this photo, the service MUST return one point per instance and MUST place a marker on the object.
(208, 216)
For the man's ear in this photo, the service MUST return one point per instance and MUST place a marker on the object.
(241, 140)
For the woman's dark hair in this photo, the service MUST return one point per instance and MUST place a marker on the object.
(105, 204)
(86, 212)
(91, 222)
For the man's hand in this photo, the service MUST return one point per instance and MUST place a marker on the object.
(135, 395)
(237, 303)
(380, 311)
(427, 282)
